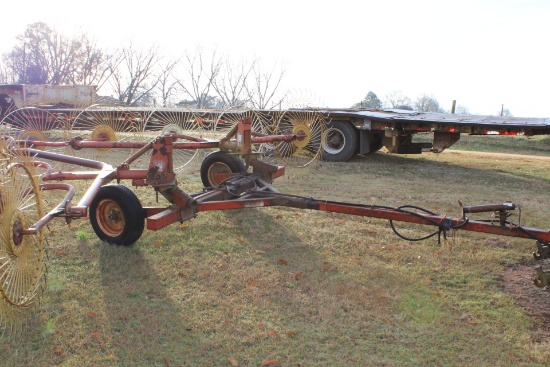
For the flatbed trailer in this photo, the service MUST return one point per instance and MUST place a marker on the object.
(359, 131)
(350, 132)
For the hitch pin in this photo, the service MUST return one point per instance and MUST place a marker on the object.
(498, 210)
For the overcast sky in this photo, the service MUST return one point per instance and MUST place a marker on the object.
(483, 53)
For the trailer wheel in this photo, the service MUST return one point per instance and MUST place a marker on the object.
(219, 162)
(339, 141)
(116, 215)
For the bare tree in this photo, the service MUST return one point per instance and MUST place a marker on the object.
(132, 77)
(4, 75)
(397, 99)
(230, 85)
(425, 103)
(200, 73)
(462, 110)
(167, 83)
(45, 56)
(60, 57)
(263, 87)
(505, 112)
(27, 61)
(94, 64)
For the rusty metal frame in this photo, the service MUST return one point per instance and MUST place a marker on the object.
(241, 191)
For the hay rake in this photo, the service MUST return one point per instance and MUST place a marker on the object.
(118, 217)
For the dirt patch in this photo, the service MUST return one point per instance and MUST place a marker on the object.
(518, 282)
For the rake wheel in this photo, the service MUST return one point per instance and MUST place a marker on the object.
(307, 149)
(219, 125)
(176, 121)
(30, 124)
(6, 145)
(22, 268)
(107, 124)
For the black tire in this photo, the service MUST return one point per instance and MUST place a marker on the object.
(340, 141)
(219, 162)
(117, 216)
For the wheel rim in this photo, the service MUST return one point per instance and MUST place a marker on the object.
(304, 133)
(215, 169)
(28, 136)
(104, 133)
(110, 217)
(334, 141)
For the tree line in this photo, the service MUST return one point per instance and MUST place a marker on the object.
(136, 76)
(423, 103)
(398, 100)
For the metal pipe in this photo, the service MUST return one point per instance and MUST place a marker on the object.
(196, 145)
(272, 138)
(273, 199)
(138, 154)
(189, 137)
(37, 143)
(71, 176)
(108, 144)
(488, 208)
(64, 158)
(102, 178)
(62, 207)
(231, 132)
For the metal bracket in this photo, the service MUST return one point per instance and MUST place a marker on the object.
(543, 251)
(444, 227)
(543, 277)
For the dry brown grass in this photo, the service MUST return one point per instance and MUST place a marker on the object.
(299, 287)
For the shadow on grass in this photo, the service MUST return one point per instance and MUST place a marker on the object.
(318, 299)
(441, 163)
(309, 302)
(352, 302)
(146, 325)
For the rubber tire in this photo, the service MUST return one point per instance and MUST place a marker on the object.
(232, 163)
(350, 138)
(132, 211)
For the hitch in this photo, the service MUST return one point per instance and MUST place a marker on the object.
(502, 211)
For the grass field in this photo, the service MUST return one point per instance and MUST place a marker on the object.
(537, 145)
(286, 287)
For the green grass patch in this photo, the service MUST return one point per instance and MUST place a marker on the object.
(518, 144)
(302, 287)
